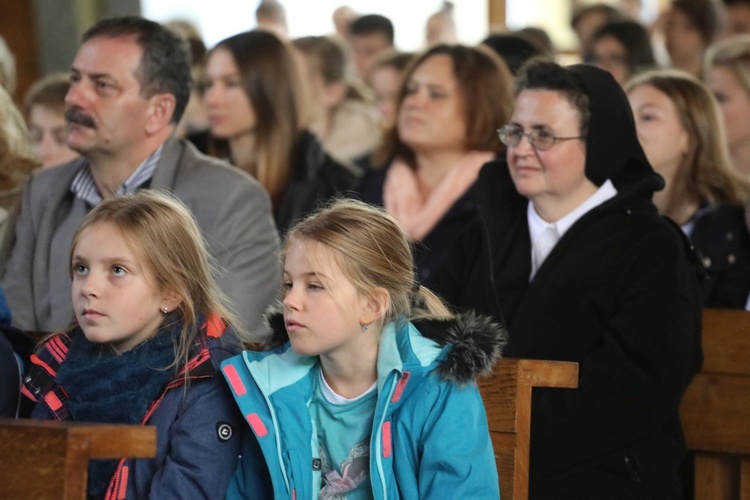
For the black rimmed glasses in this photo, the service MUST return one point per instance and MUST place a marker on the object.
(539, 138)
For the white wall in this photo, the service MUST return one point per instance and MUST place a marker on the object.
(218, 19)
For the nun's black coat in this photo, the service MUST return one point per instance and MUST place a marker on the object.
(618, 294)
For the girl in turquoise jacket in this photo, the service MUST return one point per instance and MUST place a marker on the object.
(366, 389)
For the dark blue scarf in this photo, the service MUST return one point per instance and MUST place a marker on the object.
(118, 389)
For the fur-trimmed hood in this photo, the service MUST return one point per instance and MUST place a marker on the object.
(476, 343)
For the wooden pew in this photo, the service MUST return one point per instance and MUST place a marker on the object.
(507, 399)
(715, 410)
(48, 459)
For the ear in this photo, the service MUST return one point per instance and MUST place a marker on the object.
(334, 93)
(376, 306)
(170, 300)
(160, 111)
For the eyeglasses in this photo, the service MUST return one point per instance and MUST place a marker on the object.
(540, 139)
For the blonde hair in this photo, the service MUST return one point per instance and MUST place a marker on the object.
(372, 252)
(732, 53)
(163, 233)
(7, 67)
(706, 174)
(17, 160)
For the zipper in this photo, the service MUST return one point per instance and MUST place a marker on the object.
(274, 421)
(114, 485)
(379, 436)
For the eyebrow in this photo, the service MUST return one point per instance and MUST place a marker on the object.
(73, 69)
(537, 126)
(648, 105)
(110, 260)
(313, 274)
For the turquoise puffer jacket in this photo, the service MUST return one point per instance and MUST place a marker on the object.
(429, 436)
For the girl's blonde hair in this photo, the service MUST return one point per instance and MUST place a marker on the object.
(17, 160)
(707, 174)
(372, 252)
(163, 234)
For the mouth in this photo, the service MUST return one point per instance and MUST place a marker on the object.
(215, 117)
(411, 119)
(91, 314)
(293, 326)
(76, 117)
(525, 168)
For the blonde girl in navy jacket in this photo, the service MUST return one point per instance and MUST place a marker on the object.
(367, 387)
(149, 333)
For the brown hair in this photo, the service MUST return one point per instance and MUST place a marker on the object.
(732, 53)
(706, 174)
(486, 85)
(163, 233)
(49, 92)
(372, 252)
(270, 77)
(391, 58)
(327, 57)
(705, 15)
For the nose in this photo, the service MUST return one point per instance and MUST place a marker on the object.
(47, 143)
(291, 299)
(46, 147)
(414, 99)
(75, 96)
(524, 147)
(211, 95)
(90, 284)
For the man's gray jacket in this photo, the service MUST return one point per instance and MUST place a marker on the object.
(233, 212)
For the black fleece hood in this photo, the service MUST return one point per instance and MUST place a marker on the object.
(612, 147)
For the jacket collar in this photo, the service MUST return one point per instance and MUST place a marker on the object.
(458, 349)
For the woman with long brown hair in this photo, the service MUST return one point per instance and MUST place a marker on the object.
(452, 100)
(252, 92)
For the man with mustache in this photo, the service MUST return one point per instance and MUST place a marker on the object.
(130, 83)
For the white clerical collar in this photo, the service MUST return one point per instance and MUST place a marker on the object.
(537, 225)
(605, 192)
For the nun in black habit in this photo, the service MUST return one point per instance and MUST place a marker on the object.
(614, 289)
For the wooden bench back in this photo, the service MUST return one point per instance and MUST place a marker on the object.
(507, 400)
(715, 410)
(46, 459)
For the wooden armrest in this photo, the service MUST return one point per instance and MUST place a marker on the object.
(102, 440)
(715, 409)
(726, 341)
(49, 459)
(540, 373)
(507, 400)
(715, 413)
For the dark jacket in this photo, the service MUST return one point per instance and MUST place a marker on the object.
(11, 368)
(429, 436)
(197, 424)
(315, 177)
(11, 371)
(721, 237)
(618, 294)
(430, 252)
